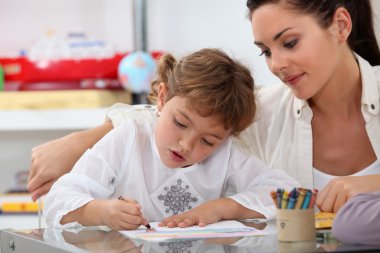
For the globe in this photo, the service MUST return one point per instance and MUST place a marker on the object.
(135, 71)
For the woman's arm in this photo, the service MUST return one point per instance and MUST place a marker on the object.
(53, 159)
(358, 221)
(339, 190)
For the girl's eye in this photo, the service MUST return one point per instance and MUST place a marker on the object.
(178, 124)
(290, 44)
(207, 142)
(267, 53)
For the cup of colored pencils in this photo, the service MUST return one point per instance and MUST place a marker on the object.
(295, 214)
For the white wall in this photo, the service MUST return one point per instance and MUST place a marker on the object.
(181, 26)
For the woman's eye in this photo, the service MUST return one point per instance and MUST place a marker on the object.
(267, 53)
(290, 44)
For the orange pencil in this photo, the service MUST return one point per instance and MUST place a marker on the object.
(274, 197)
(313, 198)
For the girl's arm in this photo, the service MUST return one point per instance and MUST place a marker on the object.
(211, 212)
(116, 214)
(53, 159)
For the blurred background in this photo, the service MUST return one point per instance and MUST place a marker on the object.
(60, 61)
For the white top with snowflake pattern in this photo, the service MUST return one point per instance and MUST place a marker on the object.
(126, 163)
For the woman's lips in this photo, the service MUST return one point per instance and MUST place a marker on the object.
(293, 80)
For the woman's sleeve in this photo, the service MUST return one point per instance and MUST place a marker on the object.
(120, 112)
(358, 221)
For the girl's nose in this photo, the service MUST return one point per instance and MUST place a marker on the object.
(186, 143)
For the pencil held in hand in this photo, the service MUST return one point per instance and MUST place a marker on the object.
(147, 225)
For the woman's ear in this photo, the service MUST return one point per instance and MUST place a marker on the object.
(162, 95)
(342, 24)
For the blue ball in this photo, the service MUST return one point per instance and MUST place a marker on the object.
(136, 70)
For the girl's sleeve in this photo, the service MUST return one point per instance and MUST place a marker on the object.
(250, 182)
(358, 221)
(94, 176)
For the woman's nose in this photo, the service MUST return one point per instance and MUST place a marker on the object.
(277, 64)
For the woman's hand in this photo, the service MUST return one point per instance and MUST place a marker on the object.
(339, 190)
(51, 160)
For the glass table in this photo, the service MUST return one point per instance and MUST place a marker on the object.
(96, 239)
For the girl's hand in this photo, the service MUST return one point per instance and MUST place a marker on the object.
(210, 212)
(123, 214)
(202, 215)
(339, 190)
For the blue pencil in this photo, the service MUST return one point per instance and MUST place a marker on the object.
(306, 201)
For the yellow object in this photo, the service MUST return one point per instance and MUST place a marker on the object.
(20, 207)
(62, 99)
(285, 198)
(18, 203)
(300, 199)
(324, 220)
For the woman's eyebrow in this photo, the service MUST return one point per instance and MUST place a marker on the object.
(276, 37)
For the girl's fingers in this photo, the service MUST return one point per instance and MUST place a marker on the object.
(129, 200)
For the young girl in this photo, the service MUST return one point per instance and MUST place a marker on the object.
(181, 166)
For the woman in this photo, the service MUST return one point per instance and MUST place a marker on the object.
(321, 125)
(324, 122)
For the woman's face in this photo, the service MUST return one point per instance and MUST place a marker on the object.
(297, 50)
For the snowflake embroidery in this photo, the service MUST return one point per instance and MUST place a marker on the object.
(177, 247)
(177, 198)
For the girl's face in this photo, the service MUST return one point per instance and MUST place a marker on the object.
(297, 50)
(183, 137)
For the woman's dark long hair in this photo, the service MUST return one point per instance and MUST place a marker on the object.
(362, 39)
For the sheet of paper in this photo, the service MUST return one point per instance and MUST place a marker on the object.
(217, 230)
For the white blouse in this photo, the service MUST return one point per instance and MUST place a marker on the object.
(321, 179)
(126, 163)
(282, 135)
